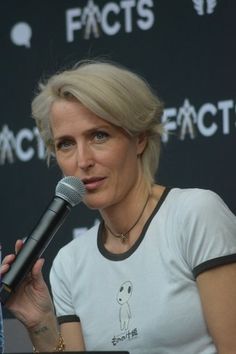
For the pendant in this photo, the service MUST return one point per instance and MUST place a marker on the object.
(123, 238)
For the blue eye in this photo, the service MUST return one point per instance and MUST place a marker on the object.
(101, 136)
(64, 144)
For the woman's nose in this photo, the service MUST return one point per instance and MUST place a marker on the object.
(85, 158)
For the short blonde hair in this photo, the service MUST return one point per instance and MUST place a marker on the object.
(114, 94)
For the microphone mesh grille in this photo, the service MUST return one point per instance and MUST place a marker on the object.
(71, 189)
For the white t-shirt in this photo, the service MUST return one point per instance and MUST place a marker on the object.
(146, 300)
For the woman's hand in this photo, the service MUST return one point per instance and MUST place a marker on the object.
(31, 302)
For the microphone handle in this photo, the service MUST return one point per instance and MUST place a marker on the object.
(34, 246)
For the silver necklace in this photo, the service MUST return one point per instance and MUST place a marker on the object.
(124, 236)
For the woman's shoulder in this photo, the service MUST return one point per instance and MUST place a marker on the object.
(196, 206)
(193, 196)
(193, 203)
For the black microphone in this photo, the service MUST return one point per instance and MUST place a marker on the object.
(69, 192)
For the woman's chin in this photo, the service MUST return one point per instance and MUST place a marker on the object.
(94, 204)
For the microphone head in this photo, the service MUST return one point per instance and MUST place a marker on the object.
(71, 189)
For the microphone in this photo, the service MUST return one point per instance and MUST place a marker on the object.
(69, 192)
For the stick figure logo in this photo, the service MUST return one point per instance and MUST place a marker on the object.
(91, 16)
(186, 119)
(7, 145)
(204, 6)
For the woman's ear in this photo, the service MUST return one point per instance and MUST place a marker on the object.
(141, 143)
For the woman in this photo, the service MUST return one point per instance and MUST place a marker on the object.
(158, 274)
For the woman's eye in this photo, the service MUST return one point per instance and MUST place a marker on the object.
(101, 136)
(64, 144)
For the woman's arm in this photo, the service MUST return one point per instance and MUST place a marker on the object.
(45, 335)
(217, 289)
(32, 305)
(72, 335)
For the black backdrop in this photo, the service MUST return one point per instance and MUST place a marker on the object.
(186, 50)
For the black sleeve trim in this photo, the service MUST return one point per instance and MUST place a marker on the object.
(212, 263)
(68, 318)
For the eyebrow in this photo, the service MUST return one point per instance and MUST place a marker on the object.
(61, 138)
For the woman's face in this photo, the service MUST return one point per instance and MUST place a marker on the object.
(102, 155)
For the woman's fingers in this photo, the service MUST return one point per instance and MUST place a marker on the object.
(6, 263)
(36, 272)
(37, 268)
(37, 276)
(4, 268)
(18, 245)
(8, 259)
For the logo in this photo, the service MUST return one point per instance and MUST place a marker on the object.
(124, 293)
(204, 6)
(22, 146)
(112, 18)
(90, 19)
(21, 34)
(188, 122)
(123, 296)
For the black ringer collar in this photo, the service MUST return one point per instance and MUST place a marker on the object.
(122, 256)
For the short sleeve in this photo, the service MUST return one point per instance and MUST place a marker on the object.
(61, 283)
(208, 231)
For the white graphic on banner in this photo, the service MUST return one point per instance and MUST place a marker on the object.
(90, 18)
(7, 145)
(21, 34)
(186, 118)
(111, 19)
(22, 146)
(204, 6)
(208, 120)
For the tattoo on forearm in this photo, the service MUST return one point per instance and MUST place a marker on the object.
(41, 330)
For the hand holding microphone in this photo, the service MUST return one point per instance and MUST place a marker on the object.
(69, 192)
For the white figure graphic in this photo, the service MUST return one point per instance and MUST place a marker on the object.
(90, 18)
(186, 118)
(7, 144)
(211, 4)
(199, 6)
(123, 297)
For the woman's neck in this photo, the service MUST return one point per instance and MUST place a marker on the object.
(129, 217)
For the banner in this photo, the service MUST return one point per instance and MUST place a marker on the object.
(187, 52)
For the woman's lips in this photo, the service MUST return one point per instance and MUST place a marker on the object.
(93, 183)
